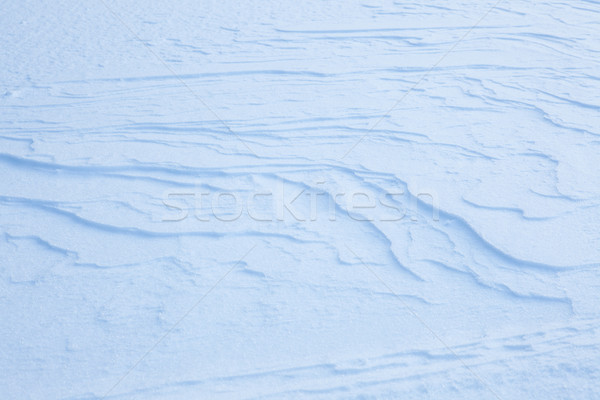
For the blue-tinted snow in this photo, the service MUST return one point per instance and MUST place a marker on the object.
(117, 279)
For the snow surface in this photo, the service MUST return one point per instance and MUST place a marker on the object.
(122, 122)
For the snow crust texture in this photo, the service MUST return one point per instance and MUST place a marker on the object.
(300, 200)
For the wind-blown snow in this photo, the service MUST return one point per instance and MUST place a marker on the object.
(445, 238)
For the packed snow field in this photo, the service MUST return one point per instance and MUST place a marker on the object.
(300, 199)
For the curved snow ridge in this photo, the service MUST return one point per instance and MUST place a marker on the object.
(403, 372)
(445, 219)
(201, 75)
(461, 232)
(52, 208)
